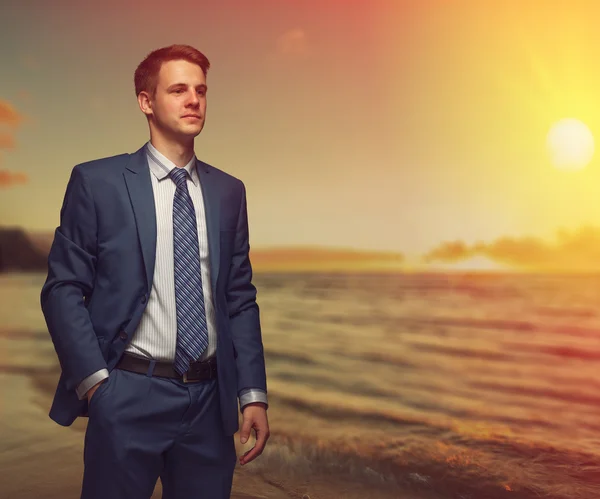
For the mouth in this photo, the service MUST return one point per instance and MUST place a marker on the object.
(194, 116)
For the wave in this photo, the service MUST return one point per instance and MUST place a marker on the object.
(408, 468)
(23, 334)
(564, 352)
(539, 392)
(26, 370)
(295, 358)
(399, 324)
(571, 312)
(463, 352)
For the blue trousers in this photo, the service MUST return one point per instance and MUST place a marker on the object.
(142, 427)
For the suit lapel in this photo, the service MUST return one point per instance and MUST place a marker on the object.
(212, 208)
(139, 186)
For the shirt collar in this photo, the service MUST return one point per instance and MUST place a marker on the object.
(161, 166)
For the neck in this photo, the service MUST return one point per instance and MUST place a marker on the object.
(179, 152)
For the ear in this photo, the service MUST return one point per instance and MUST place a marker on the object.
(145, 103)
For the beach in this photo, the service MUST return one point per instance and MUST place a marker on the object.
(380, 386)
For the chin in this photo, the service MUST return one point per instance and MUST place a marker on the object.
(196, 127)
(190, 131)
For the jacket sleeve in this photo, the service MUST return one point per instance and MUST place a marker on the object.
(243, 310)
(70, 281)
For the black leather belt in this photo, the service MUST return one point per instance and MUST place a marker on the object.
(198, 371)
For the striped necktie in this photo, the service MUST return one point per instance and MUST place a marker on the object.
(192, 332)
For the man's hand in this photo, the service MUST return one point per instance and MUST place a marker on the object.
(255, 416)
(93, 389)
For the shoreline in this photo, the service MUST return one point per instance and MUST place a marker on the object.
(30, 467)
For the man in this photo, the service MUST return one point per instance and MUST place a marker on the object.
(151, 308)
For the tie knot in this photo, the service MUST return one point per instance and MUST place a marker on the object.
(179, 176)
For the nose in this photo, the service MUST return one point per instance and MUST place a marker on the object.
(192, 99)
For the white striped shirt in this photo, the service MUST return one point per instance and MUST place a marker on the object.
(156, 334)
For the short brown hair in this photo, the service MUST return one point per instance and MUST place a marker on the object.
(146, 74)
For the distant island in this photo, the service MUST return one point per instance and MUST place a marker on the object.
(23, 251)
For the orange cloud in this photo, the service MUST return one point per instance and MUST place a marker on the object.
(10, 119)
(9, 115)
(8, 179)
(572, 250)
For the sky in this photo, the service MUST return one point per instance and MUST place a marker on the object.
(399, 126)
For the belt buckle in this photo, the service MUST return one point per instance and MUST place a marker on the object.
(193, 374)
(199, 371)
(187, 379)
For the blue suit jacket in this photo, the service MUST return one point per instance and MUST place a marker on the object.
(100, 271)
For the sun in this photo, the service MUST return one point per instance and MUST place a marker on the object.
(570, 144)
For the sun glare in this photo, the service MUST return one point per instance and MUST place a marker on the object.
(570, 144)
(475, 263)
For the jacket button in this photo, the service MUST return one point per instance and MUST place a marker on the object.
(123, 335)
(144, 299)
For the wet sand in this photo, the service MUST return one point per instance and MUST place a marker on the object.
(39, 458)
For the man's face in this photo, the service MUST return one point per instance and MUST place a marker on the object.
(179, 104)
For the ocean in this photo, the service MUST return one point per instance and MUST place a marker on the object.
(466, 386)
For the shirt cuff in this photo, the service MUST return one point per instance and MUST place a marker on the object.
(90, 381)
(249, 395)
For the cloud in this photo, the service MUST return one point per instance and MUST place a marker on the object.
(9, 179)
(293, 43)
(9, 116)
(572, 250)
(10, 120)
